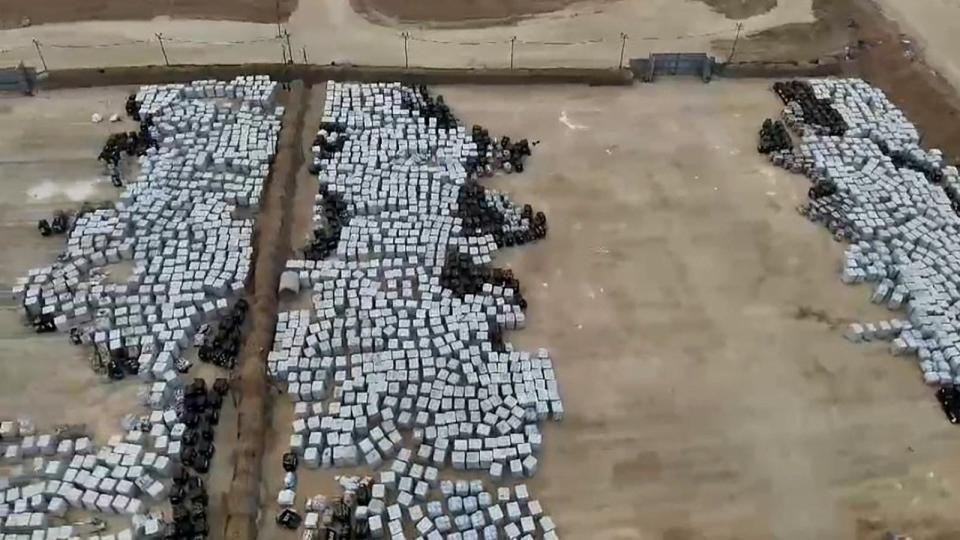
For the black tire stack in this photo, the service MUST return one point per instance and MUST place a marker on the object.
(774, 137)
(222, 347)
(188, 497)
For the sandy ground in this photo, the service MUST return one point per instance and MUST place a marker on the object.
(48, 150)
(696, 322)
(935, 24)
(331, 30)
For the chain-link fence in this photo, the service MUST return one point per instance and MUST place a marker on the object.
(409, 49)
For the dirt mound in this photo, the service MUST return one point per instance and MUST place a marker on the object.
(456, 12)
(17, 13)
(741, 9)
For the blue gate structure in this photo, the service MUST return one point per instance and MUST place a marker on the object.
(689, 64)
(19, 79)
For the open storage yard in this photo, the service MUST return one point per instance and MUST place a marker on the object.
(48, 163)
(694, 320)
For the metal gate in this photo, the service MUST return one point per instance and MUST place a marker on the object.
(18, 79)
(690, 64)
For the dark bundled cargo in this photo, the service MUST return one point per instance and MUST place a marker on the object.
(482, 212)
(421, 103)
(190, 502)
(131, 143)
(818, 113)
(774, 137)
(221, 348)
(493, 155)
(289, 519)
(949, 398)
(326, 239)
(463, 277)
(201, 414)
(58, 225)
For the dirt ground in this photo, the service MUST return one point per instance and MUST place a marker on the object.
(307, 185)
(48, 162)
(932, 27)
(15, 13)
(898, 66)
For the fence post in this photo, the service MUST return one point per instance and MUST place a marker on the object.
(735, 40)
(623, 47)
(289, 47)
(513, 42)
(304, 48)
(162, 48)
(43, 61)
(276, 7)
(406, 53)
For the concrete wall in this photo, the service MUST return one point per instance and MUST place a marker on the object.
(778, 70)
(89, 77)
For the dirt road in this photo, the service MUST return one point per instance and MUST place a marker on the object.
(17, 13)
(271, 250)
(583, 34)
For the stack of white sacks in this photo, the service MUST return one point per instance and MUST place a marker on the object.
(386, 349)
(191, 258)
(902, 229)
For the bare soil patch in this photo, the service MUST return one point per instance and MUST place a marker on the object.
(14, 13)
(271, 250)
(455, 12)
(798, 41)
(741, 9)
